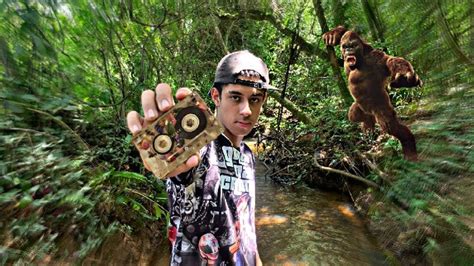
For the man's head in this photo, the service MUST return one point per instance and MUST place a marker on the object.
(239, 92)
(241, 63)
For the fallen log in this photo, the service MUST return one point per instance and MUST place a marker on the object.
(344, 173)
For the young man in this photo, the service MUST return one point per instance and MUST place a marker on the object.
(212, 195)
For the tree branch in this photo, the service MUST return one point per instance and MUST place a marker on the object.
(300, 115)
(344, 173)
(305, 46)
(449, 37)
(134, 19)
(107, 76)
(259, 15)
(219, 35)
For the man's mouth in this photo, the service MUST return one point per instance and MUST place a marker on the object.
(244, 124)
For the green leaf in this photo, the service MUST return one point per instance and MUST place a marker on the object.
(121, 199)
(29, 97)
(130, 176)
(158, 211)
(137, 206)
(418, 204)
(77, 198)
(8, 196)
(128, 139)
(25, 201)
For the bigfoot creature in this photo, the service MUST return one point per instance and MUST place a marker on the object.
(369, 71)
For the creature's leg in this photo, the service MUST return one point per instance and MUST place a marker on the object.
(357, 115)
(389, 123)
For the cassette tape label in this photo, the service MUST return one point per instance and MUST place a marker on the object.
(176, 135)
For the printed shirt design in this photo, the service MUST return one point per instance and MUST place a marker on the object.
(212, 208)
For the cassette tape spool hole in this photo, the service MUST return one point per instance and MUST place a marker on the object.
(162, 144)
(190, 122)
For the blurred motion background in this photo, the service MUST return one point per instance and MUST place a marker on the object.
(71, 70)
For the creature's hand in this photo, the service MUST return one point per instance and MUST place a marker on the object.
(155, 103)
(333, 37)
(402, 73)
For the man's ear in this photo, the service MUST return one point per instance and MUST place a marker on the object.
(215, 96)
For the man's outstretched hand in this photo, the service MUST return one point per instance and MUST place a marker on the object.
(154, 104)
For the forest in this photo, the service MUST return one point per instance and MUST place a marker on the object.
(74, 190)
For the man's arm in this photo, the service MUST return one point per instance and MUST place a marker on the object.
(155, 103)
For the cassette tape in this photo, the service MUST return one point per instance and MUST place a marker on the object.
(176, 135)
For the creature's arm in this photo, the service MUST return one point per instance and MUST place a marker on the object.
(402, 73)
(333, 37)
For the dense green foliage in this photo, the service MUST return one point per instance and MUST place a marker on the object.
(71, 70)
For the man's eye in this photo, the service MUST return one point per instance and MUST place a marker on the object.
(255, 100)
(235, 98)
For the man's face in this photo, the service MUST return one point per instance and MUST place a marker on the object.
(238, 108)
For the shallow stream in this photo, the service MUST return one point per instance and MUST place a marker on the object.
(304, 226)
(295, 226)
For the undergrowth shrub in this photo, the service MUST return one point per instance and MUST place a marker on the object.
(61, 200)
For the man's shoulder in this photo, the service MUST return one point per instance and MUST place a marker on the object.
(247, 148)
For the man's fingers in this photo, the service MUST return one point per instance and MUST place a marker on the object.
(182, 93)
(154, 103)
(134, 122)
(149, 106)
(164, 99)
(193, 161)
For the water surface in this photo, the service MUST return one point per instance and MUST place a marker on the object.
(304, 226)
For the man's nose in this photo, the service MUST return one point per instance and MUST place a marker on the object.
(245, 109)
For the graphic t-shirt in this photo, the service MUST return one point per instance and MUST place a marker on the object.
(212, 208)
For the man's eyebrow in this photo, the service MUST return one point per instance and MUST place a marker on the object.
(258, 93)
(234, 92)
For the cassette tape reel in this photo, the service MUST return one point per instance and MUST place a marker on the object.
(176, 135)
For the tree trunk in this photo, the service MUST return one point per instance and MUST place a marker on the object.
(7, 60)
(471, 29)
(291, 60)
(219, 35)
(341, 84)
(373, 20)
(338, 13)
(300, 115)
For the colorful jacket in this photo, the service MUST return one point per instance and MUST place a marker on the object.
(212, 208)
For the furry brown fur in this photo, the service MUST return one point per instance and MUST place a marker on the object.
(369, 71)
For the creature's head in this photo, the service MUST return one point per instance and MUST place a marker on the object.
(353, 49)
